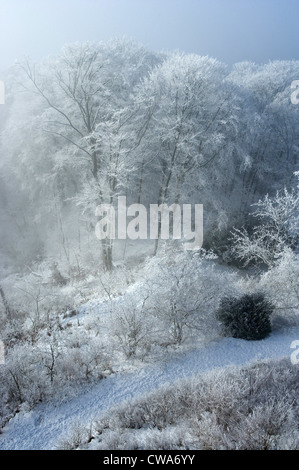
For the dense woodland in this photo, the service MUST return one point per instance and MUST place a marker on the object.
(109, 119)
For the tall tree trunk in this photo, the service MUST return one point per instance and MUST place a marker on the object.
(5, 303)
(94, 158)
(107, 254)
(140, 182)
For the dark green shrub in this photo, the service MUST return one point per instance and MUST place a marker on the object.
(246, 317)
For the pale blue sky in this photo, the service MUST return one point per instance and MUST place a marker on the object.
(230, 30)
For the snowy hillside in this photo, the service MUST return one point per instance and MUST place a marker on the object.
(46, 425)
(149, 260)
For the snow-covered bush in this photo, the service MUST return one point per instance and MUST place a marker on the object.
(246, 317)
(130, 324)
(54, 367)
(183, 293)
(78, 435)
(81, 363)
(281, 285)
(26, 378)
(276, 232)
(267, 427)
(173, 301)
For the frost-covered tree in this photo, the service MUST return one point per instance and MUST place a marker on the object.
(269, 132)
(181, 294)
(281, 285)
(131, 325)
(70, 117)
(103, 119)
(191, 134)
(278, 230)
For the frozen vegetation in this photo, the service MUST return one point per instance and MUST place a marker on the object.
(142, 344)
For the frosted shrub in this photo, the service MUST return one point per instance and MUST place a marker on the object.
(26, 377)
(282, 287)
(57, 278)
(131, 326)
(48, 370)
(276, 232)
(247, 317)
(78, 436)
(263, 427)
(78, 365)
(184, 292)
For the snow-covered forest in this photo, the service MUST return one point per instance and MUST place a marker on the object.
(81, 317)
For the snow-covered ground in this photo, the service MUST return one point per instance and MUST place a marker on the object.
(42, 427)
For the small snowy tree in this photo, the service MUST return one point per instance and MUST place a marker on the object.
(277, 232)
(131, 324)
(281, 285)
(184, 291)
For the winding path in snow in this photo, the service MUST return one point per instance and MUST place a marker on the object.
(42, 428)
